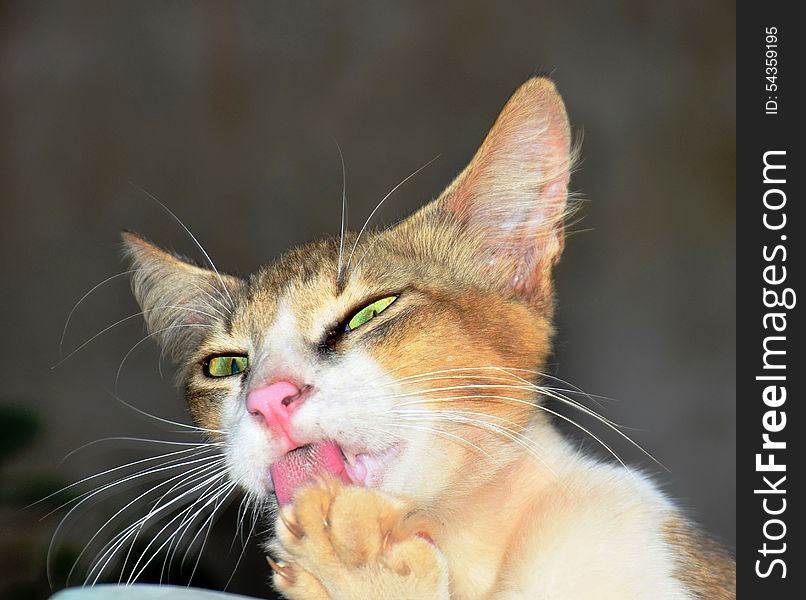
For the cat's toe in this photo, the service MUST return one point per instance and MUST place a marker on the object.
(363, 524)
(330, 522)
(295, 583)
(418, 560)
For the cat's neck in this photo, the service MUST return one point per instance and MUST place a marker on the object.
(477, 527)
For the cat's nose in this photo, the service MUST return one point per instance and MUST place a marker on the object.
(274, 404)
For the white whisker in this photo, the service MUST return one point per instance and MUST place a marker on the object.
(121, 321)
(84, 297)
(343, 211)
(124, 438)
(106, 472)
(132, 531)
(183, 477)
(378, 206)
(83, 498)
(223, 306)
(539, 407)
(243, 548)
(213, 496)
(193, 428)
(210, 520)
(149, 336)
(192, 237)
(554, 393)
(451, 436)
(463, 418)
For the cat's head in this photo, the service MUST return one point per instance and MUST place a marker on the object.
(400, 359)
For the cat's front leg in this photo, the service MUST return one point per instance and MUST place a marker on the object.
(348, 543)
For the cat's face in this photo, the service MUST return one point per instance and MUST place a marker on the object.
(399, 360)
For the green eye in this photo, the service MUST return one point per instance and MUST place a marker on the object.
(224, 366)
(369, 312)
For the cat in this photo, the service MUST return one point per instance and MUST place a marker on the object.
(383, 388)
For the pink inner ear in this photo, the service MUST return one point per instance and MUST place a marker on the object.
(513, 193)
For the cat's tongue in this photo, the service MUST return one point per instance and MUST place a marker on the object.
(302, 465)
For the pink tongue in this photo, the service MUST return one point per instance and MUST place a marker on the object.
(302, 465)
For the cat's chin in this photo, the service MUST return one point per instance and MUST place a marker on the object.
(307, 463)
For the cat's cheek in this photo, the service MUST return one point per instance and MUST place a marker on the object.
(351, 405)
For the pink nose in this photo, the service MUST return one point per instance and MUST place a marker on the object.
(274, 405)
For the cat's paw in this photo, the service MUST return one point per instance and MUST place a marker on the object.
(343, 543)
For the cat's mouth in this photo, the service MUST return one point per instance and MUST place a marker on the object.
(304, 464)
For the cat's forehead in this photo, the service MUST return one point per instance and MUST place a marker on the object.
(313, 285)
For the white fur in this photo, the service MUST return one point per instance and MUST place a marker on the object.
(603, 540)
(350, 404)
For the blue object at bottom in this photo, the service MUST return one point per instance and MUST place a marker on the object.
(143, 592)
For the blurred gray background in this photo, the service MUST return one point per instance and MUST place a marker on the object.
(227, 112)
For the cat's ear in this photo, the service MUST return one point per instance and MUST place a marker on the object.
(180, 301)
(512, 197)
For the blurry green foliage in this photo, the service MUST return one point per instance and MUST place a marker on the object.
(23, 545)
(19, 426)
